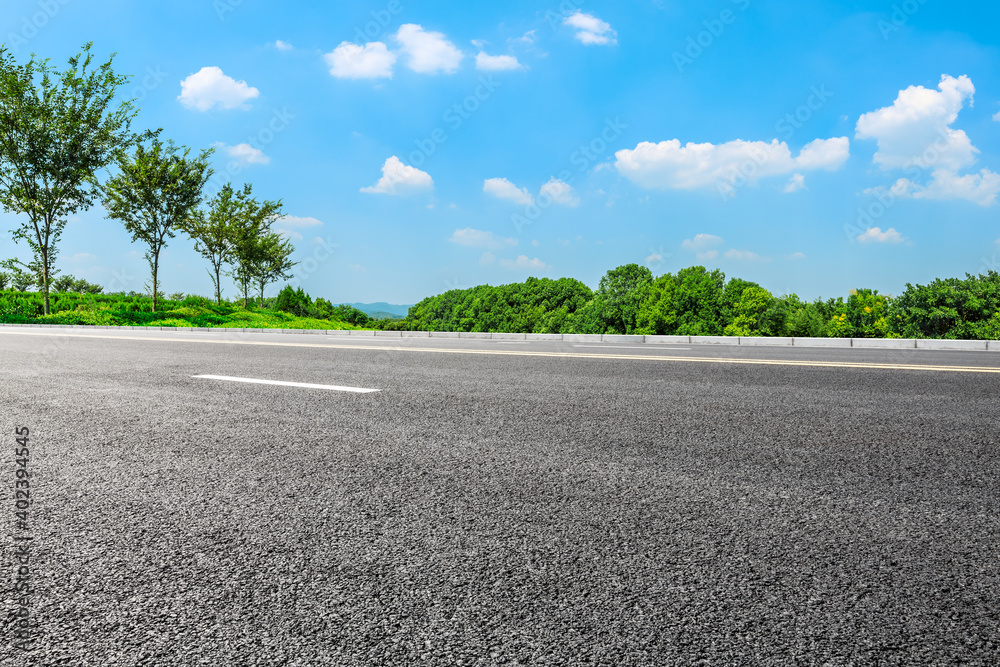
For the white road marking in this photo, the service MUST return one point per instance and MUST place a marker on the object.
(525, 353)
(634, 347)
(303, 385)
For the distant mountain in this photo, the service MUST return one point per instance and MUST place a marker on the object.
(382, 310)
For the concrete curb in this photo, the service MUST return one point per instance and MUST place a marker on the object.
(749, 341)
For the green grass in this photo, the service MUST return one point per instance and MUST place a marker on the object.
(123, 310)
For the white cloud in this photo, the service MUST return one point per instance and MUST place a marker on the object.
(289, 233)
(707, 255)
(590, 29)
(209, 87)
(996, 116)
(504, 189)
(244, 154)
(669, 164)
(399, 179)
(559, 192)
(796, 183)
(876, 235)
(488, 63)
(796, 256)
(915, 133)
(523, 263)
(745, 255)
(296, 221)
(83, 257)
(916, 130)
(700, 242)
(371, 61)
(487, 258)
(526, 38)
(481, 239)
(655, 258)
(282, 46)
(428, 52)
(982, 188)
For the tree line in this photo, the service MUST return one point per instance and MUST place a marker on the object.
(60, 130)
(697, 301)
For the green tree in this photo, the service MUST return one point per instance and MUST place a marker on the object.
(749, 311)
(212, 231)
(249, 226)
(57, 130)
(156, 191)
(272, 262)
(618, 297)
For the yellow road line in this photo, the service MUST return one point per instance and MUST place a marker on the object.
(527, 353)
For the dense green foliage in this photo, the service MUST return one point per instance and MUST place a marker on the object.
(539, 305)
(699, 302)
(137, 310)
(58, 129)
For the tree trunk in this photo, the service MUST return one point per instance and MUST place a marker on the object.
(156, 265)
(218, 285)
(45, 280)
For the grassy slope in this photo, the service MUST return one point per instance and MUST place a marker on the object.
(107, 310)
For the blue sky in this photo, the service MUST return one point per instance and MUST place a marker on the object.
(420, 146)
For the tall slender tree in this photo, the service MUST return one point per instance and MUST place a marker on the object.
(272, 263)
(57, 131)
(253, 223)
(158, 189)
(212, 230)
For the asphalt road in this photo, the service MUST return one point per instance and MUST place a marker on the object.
(498, 503)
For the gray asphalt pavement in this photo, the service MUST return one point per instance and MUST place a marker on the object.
(497, 503)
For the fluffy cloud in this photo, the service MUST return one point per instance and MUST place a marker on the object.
(504, 189)
(996, 116)
(916, 134)
(282, 46)
(399, 179)
(428, 52)
(522, 263)
(371, 61)
(559, 192)
(876, 235)
(591, 30)
(669, 164)
(480, 239)
(707, 255)
(796, 183)
(244, 154)
(982, 188)
(700, 242)
(796, 256)
(916, 130)
(488, 63)
(745, 255)
(209, 87)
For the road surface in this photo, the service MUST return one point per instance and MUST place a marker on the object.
(496, 502)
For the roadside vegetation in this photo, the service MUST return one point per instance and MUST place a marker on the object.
(699, 302)
(61, 131)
